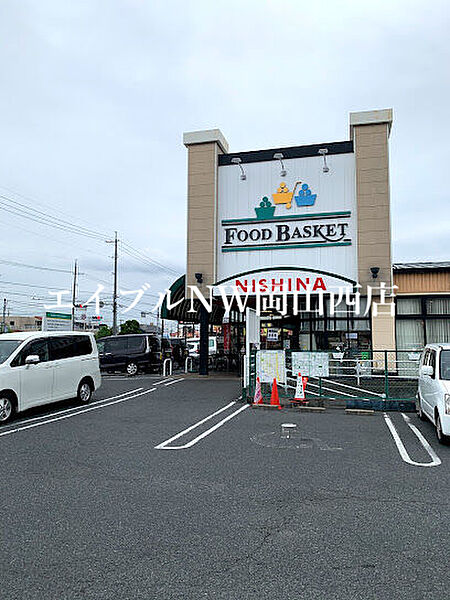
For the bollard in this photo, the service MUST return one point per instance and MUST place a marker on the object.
(168, 362)
(186, 362)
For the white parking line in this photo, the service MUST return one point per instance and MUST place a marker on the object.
(74, 414)
(165, 445)
(66, 410)
(435, 460)
(175, 381)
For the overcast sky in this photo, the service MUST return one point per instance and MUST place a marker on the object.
(95, 96)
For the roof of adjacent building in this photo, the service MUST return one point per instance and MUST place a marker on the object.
(422, 266)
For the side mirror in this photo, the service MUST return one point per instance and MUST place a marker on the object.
(427, 370)
(32, 359)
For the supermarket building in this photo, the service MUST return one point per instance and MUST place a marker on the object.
(277, 218)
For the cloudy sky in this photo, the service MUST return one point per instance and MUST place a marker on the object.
(97, 93)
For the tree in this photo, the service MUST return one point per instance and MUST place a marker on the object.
(103, 331)
(130, 326)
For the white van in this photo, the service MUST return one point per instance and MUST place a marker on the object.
(42, 367)
(433, 396)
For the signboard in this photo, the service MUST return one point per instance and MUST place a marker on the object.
(57, 322)
(305, 218)
(311, 364)
(272, 335)
(270, 364)
(281, 280)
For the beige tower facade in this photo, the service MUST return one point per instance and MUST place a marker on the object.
(354, 200)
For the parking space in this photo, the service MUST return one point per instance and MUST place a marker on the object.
(173, 488)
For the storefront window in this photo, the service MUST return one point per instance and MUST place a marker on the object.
(410, 334)
(409, 306)
(438, 331)
(360, 325)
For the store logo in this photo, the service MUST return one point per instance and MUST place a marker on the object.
(303, 197)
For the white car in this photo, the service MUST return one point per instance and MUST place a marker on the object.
(433, 396)
(42, 367)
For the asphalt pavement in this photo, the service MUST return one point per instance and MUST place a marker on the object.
(174, 489)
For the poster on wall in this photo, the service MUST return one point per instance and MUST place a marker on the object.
(311, 364)
(270, 364)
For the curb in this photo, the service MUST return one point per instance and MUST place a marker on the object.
(359, 411)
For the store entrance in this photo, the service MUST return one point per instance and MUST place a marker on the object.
(342, 331)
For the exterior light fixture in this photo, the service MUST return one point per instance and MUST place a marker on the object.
(279, 156)
(323, 152)
(237, 161)
(374, 271)
(199, 277)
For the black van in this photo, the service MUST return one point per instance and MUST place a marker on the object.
(130, 353)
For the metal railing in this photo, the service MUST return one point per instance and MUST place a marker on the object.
(381, 379)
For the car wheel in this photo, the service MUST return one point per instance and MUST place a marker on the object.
(420, 413)
(442, 439)
(6, 408)
(132, 369)
(84, 394)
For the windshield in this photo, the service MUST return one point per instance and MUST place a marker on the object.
(7, 347)
(445, 365)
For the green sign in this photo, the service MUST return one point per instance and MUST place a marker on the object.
(52, 315)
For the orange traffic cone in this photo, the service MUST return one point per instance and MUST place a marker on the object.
(274, 398)
(258, 399)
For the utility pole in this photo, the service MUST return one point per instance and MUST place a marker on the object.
(114, 327)
(74, 292)
(4, 316)
(115, 242)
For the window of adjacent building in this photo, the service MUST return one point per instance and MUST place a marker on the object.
(409, 306)
(410, 334)
(438, 306)
(438, 331)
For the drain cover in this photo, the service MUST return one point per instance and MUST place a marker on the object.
(293, 441)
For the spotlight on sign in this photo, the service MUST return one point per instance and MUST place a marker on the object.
(237, 161)
(323, 152)
(279, 156)
(374, 271)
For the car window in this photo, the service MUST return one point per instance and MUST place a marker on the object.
(63, 347)
(39, 347)
(445, 365)
(154, 344)
(432, 362)
(7, 347)
(101, 345)
(116, 345)
(84, 345)
(136, 344)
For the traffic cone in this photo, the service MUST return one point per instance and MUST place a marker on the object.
(258, 399)
(274, 398)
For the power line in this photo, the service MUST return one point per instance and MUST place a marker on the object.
(39, 268)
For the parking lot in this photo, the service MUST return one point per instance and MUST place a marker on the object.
(173, 488)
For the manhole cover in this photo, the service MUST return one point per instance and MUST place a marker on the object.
(295, 441)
